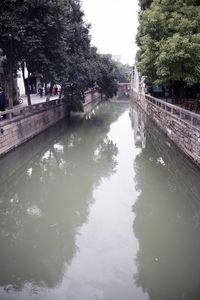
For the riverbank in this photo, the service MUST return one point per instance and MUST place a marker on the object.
(23, 123)
(180, 125)
(100, 206)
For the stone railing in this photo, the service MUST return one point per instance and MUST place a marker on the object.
(180, 113)
(30, 109)
(23, 123)
(90, 96)
(180, 125)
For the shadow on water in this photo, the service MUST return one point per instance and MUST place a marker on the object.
(45, 194)
(167, 222)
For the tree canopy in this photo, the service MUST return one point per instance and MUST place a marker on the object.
(169, 41)
(51, 37)
(122, 71)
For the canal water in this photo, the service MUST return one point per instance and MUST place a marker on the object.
(100, 207)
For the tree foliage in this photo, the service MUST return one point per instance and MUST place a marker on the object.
(122, 71)
(50, 37)
(169, 41)
(106, 80)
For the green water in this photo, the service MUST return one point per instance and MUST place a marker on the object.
(103, 207)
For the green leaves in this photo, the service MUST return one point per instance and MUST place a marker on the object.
(169, 41)
(51, 38)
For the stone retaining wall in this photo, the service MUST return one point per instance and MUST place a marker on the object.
(22, 128)
(91, 96)
(183, 134)
(19, 131)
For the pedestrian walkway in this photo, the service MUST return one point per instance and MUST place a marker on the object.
(35, 99)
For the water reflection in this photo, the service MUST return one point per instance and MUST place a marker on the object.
(138, 126)
(66, 201)
(167, 222)
(45, 198)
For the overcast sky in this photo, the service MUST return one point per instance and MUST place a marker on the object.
(114, 26)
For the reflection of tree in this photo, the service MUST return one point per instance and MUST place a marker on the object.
(44, 203)
(167, 222)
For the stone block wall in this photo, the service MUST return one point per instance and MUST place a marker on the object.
(20, 129)
(183, 134)
(91, 96)
(16, 132)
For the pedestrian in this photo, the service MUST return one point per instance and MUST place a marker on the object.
(48, 94)
(2, 102)
(41, 91)
(56, 91)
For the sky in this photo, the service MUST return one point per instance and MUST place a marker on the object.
(114, 26)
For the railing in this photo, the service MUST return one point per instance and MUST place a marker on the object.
(34, 108)
(184, 115)
(30, 109)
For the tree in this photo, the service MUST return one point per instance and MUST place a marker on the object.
(144, 4)
(43, 35)
(106, 80)
(50, 37)
(169, 41)
(122, 71)
(46, 25)
(30, 33)
(10, 30)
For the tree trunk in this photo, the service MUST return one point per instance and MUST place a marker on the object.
(10, 89)
(23, 75)
(10, 79)
(45, 88)
(51, 89)
(26, 84)
(182, 90)
(28, 90)
(60, 93)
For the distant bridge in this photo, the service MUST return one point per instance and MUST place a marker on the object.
(122, 93)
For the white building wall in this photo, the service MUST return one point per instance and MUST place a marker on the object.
(137, 82)
(20, 82)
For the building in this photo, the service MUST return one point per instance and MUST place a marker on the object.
(116, 57)
(137, 82)
(34, 81)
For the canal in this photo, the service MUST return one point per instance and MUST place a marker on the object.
(100, 207)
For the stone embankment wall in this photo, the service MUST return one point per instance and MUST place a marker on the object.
(23, 127)
(18, 131)
(181, 131)
(91, 96)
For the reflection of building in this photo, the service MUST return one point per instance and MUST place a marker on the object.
(167, 222)
(138, 128)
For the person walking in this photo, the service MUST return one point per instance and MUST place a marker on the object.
(2, 102)
(48, 94)
(56, 91)
(41, 91)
